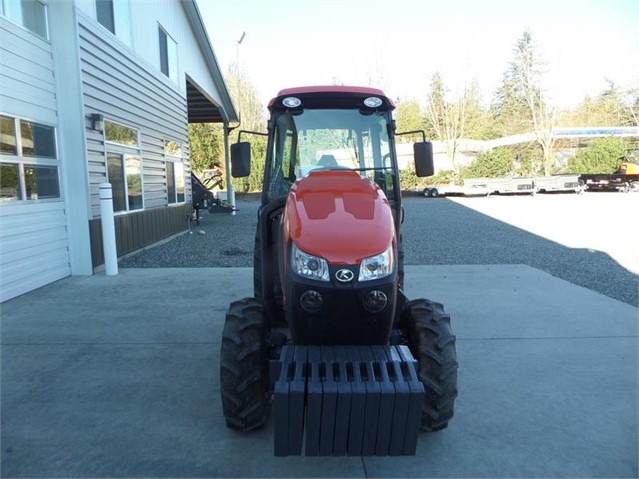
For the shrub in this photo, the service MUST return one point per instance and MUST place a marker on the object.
(490, 164)
(408, 179)
(601, 156)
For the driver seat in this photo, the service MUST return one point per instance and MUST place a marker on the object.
(327, 161)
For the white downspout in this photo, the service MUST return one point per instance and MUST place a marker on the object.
(230, 191)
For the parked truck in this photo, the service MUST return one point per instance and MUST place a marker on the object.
(626, 178)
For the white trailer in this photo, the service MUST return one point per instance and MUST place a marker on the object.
(484, 187)
(525, 185)
(562, 183)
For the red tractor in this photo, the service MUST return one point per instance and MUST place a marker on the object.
(329, 342)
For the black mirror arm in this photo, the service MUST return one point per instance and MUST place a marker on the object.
(248, 132)
(413, 132)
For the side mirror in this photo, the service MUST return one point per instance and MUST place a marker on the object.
(424, 164)
(241, 159)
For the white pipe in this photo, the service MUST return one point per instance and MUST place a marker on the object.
(108, 230)
(230, 191)
(232, 198)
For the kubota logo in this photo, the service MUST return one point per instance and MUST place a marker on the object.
(344, 275)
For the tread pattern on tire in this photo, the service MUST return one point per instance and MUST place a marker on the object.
(432, 342)
(243, 366)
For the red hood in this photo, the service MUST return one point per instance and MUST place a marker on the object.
(339, 216)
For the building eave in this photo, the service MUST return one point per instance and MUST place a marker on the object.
(228, 112)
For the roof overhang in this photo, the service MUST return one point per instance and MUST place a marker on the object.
(202, 109)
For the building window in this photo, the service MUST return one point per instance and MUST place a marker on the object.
(124, 167)
(41, 182)
(114, 15)
(174, 172)
(168, 55)
(175, 182)
(37, 140)
(10, 182)
(28, 161)
(120, 134)
(104, 11)
(125, 175)
(173, 148)
(8, 144)
(31, 14)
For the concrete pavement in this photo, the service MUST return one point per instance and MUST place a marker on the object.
(119, 377)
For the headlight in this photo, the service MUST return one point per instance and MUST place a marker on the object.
(308, 265)
(377, 266)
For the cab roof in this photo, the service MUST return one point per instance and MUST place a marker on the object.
(330, 96)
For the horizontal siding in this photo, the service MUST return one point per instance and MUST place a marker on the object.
(56, 240)
(34, 243)
(154, 172)
(35, 222)
(33, 247)
(42, 278)
(147, 100)
(21, 43)
(26, 74)
(14, 75)
(20, 34)
(129, 91)
(27, 270)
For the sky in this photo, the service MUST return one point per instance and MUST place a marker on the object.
(398, 45)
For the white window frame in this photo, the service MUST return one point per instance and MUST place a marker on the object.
(173, 160)
(13, 11)
(124, 151)
(28, 161)
(172, 66)
(121, 25)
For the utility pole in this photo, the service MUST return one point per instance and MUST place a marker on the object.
(238, 73)
(229, 182)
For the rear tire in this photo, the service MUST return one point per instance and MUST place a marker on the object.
(244, 366)
(432, 343)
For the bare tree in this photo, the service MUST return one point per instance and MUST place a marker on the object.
(447, 118)
(245, 95)
(631, 97)
(528, 71)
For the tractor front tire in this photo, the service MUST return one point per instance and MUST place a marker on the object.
(432, 343)
(244, 366)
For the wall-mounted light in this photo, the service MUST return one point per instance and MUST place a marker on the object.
(97, 122)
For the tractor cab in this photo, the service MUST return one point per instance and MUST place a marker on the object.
(331, 128)
(628, 166)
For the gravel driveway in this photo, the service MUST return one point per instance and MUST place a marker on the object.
(461, 231)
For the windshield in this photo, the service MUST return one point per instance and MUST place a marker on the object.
(329, 139)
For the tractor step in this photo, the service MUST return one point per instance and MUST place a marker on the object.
(346, 400)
